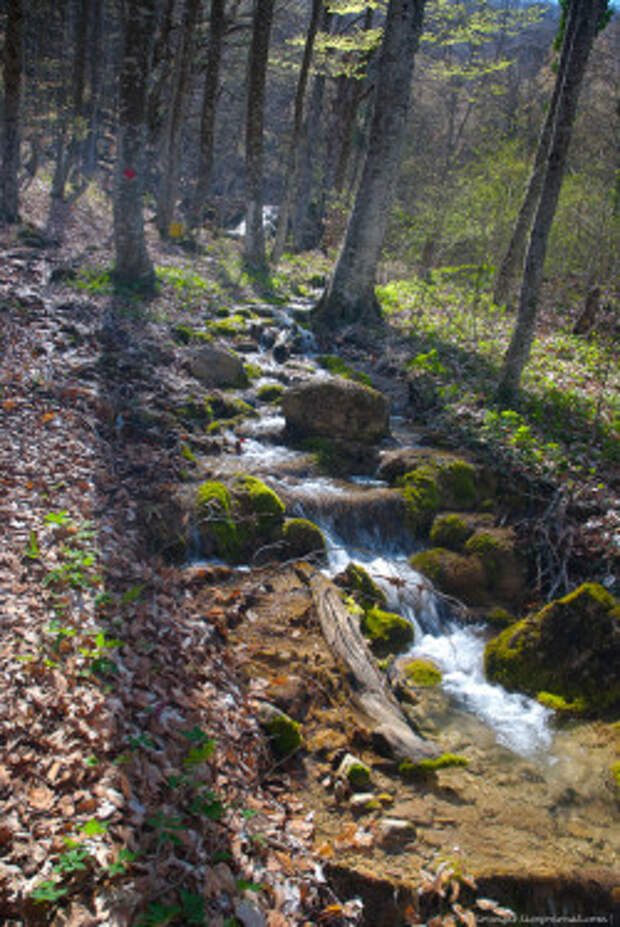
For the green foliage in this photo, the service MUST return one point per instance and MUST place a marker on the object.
(337, 365)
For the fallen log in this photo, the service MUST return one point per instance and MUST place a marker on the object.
(391, 733)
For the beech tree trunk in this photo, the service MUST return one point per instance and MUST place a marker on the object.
(174, 124)
(350, 296)
(290, 164)
(12, 76)
(209, 98)
(513, 258)
(254, 248)
(133, 265)
(580, 34)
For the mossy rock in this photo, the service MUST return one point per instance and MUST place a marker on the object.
(252, 371)
(450, 530)
(302, 538)
(229, 407)
(386, 632)
(422, 672)
(427, 768)
(615, 774)
(216, 523)
(235, 521)
(186, 334)
(456, 575)
(571, 648)
(505, 573)
(577, 707)
(457, 481)
(362, 587)
(355, 772)
(270, 392)
(194, 412)
(284, 733)
(259, 511)
(422, 498)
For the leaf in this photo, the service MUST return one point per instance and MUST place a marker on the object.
(48, 891)
(201, 754)
(32, 548)
(133, 593)
(41, 798)
(92, 827)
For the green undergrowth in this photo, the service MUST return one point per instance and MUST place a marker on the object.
(568, 411)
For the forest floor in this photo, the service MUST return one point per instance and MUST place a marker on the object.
(136, 784)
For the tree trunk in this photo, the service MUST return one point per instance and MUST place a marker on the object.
(349, 296)
(254, 248)
(172, 143)
(207, 119)
(95, 53)
(513, 258)
(580, 36)
(133, 265)
(12, 75)
(290, 164)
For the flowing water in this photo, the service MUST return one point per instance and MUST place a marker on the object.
(362, 521)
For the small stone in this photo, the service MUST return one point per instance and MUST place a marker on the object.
(249, 915)
(363, 802)
(355, 772)
(395, 832)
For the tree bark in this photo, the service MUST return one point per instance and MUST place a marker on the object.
(170, 168)
(580, 36)
(12, 76)
(254, 247)
(207, 120)
(513, 258)
(349, 296)
(290, 164)
(133, 265)
(392, 735)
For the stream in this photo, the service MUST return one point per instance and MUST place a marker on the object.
(362, 523)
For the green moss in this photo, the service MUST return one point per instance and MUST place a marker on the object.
(423, 672)
(188, 454)
(567, 650)
(252, 371)
(228, 327)
(425, 768)
(364, 589)
(216, 521)
(259, 511)
(451, 531)
(457, 479)
(221, 424)
(194, 412)
(302, 538)
(358, 775)
(327, 457)
(338, 366)
(454, 574)
(284, 734)
(187, 334)
(422, 498)
(386, 631)
(557, 703)
(270, 392)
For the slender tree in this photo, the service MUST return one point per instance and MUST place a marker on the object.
(12, 76)
(290, 163)
(585, 17)
(133, 265)
(512, 260)
(350, 296)
(217, 28)
(174, 123)
(254, 250)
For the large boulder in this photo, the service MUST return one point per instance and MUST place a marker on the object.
(336, 408)
(216, 365)
(570, 649)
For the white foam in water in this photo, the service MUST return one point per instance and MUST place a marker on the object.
(518, 722)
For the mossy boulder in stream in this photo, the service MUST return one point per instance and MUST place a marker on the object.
(302, 538)
(386, 632)
(235, 520)
(437, 482)
(450, 530)
(362, 587)
(504, 570)
(422, 672)
(571, 649)
(336, 408)
(455, 574)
